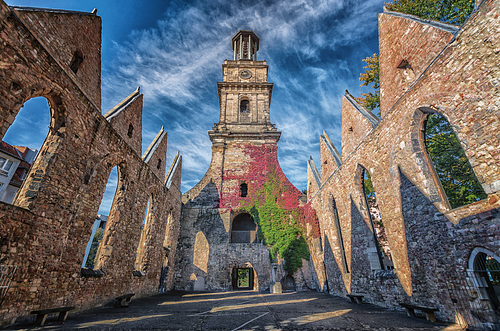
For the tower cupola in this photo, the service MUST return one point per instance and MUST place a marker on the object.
(245, 45)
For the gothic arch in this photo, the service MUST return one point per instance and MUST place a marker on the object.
(436, 192)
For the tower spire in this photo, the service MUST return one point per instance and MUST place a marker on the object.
(245, 45)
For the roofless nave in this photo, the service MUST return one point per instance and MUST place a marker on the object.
(207, 238)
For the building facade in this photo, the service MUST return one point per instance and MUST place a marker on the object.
(218, 234)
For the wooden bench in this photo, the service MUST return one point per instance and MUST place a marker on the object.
(41, 315)
(356, 298)
(429, 312)
(123, 301)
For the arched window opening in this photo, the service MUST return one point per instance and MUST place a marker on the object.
(243, 190)
(130, 130)
(383, 250)
(338, 229)
(452, 167)
(244, 106)
(244, 229)
(167, 246)
(486, 275)
(158, 164)
(76, 62)
(20, 145)
(141, 265)
(99, 227)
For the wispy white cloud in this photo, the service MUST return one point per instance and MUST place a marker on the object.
(314, 49)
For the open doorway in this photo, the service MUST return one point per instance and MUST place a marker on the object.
(242, 278)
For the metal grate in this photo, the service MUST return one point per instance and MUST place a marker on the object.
(476, 296)
(6, 275)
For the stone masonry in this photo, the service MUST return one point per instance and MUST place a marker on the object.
(425, 67)
(56, 54)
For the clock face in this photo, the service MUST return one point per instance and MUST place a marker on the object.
(245, 74)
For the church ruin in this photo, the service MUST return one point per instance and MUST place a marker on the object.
(403, 243)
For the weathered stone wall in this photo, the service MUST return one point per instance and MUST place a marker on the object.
(355, 127)
(407, 47)
(45, 232)
(430, 243)
(63, 33)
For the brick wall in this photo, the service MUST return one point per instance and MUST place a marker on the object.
(430, 244)
(46, 231)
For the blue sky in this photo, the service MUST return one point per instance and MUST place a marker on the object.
(174, 50)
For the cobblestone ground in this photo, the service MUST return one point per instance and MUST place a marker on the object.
(241, 311)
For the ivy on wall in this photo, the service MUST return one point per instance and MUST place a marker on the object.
(274, 204)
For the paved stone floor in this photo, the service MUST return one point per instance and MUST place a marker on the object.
(241, 311)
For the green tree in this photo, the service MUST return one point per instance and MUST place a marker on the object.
(449, 11)
(452, 166)
(371, 76)
(93, 248)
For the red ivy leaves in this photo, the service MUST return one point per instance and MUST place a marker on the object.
(263, 167)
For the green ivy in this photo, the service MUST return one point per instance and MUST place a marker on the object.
(278, 226)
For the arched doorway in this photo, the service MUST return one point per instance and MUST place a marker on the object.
(244, 229)
(289, 283)
(242, 278)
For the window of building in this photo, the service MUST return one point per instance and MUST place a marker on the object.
(243, 190)
(338, 228)
(244, 229)
(380, 236)
(76, 62)
(24, 138)
(245, 106)
(97, 232)
(130, 130)
(141, 264)
(5, 166)
(451, 165)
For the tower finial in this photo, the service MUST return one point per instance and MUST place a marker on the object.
(245, 45)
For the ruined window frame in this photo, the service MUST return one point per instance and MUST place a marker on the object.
(250, 232)
(360, 173)
(243, 190)
(27, 192)
(333, 209)
(141, 263)
(76, 61)
(424, 113)
(100, 259)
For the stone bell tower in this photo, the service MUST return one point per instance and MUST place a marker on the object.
(244, 94)
(218, 237)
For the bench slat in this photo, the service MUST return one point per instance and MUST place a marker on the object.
(41, 314)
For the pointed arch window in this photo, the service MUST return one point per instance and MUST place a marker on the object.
(451, 165)
(380, 236)
(336, 220)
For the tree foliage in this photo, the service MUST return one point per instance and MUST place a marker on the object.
(452, 166)
(371, 76)
(449, 11)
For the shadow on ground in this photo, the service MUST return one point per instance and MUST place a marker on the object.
(240, 311)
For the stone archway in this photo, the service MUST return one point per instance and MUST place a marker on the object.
(484, 265)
